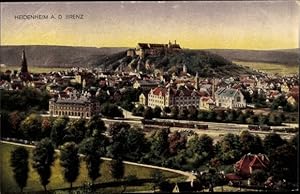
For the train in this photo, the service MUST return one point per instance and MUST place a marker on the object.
(166, 123)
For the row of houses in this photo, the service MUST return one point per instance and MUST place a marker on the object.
(185, 96)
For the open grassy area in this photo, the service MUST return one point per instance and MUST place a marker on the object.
(57, 181)
(33, 69)
(273, 68)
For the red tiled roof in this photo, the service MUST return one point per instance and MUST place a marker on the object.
(158, 90)
(259, 161)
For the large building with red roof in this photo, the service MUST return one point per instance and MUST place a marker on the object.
(169, 96)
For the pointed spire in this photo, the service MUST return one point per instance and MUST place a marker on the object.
(24, 68)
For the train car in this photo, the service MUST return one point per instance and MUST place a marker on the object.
(204, 127)
(253, 127)
(265, 128)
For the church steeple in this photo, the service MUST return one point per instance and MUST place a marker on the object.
(24, 75)
(24, 68)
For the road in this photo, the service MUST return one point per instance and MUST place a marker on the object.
(189, 175)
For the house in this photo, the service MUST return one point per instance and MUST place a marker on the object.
(284, 88)
(83, 106)
(143, 99)
(249, 163)
(187, 187)
(229, 98)
(146, 84)
(206, 103)
(292, 100)
(170, 96)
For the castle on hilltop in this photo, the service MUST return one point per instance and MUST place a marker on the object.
(145, 49)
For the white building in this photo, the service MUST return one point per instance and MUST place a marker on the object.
(229, 98)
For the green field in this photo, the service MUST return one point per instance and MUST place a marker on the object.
(33, 69)
(273, 68)
(57, 181)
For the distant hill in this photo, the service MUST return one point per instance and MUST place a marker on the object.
(284, 56)
(55, 56)
(207, 64)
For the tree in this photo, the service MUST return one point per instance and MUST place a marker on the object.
(177, 142)
(211, 116)
(75, 131)
(31, 127)
(262, 119)
(271, 142)
(46, 126)
(117, 168)
(284, 163)
(241, 118)
(274, 119)
(258, 177)
(158, 179)
(156, 112)
(148, 113)
(138, 111)
(167, 109)
(193, 112)
(57, 131)
(117, 127)
(174, 112)
(183, 113)
(230, 148)
(199, 150)
(160, 143)
(202, 115)
(111, 110)
(135, 144)
(5, 125)
(15, 119)
(92, 150)
(70, 162)
(250, 143)
(19, 164)
(95, 123)
(43, 157)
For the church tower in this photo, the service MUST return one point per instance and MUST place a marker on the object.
(24, 68)
(24, 74)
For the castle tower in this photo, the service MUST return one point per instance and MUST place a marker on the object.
(197, 81)
(24, 68)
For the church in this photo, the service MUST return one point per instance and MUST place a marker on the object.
(24, 74)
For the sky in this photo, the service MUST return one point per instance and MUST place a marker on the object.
(257, 25)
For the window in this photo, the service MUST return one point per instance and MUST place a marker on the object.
(238, 99)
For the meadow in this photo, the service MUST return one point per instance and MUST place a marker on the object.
(272, 68)
(8, 183)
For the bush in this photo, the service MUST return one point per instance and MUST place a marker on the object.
(111, 110)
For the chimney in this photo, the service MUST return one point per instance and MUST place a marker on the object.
(175, 42)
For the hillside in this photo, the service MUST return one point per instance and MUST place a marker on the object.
(290, 57)
(205, 63)
(55, 56)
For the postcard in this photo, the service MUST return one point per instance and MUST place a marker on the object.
(151, 97)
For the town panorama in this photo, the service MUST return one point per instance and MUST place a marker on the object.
(154, 117)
